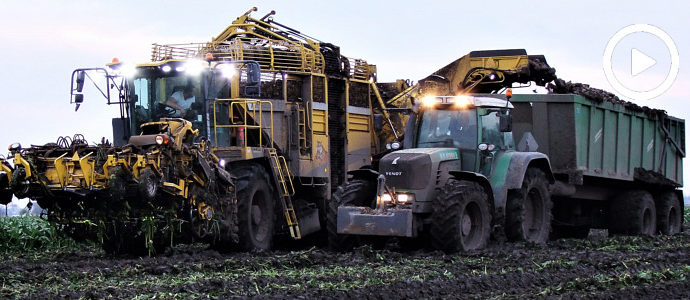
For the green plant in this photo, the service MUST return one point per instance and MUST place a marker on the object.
(31, 233)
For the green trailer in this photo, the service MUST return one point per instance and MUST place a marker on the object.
(611, 161)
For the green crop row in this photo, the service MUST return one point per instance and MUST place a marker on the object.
(31, 234)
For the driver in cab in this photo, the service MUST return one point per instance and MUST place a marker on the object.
(182, 101)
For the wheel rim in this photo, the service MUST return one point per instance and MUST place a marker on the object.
(647, 221)
(258, 215)
(470, 226)
(534, 217)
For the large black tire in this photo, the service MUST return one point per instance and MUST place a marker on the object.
(5, 191)
(528, 210)
(255, 207)
(669, 213)
(461, 219)
(356, 192)
(633, 213)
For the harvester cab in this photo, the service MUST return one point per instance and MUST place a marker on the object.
(451, 176)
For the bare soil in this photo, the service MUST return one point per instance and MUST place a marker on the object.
(600, 267)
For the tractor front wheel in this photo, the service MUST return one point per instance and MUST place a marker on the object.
(356, 192)
(461, 219)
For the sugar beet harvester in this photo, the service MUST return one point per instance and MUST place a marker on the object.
(228, 142)
(584, 160)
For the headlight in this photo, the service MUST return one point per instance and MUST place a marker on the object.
(395, 145)
(404, 198)
(386, 197)
(401, 198)
(162, 139)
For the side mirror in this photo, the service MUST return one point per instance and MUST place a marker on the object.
(505, 123)
(378, 122)
(80, 81)
(78, 100)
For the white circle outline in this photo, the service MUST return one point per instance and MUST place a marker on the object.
(670, 77)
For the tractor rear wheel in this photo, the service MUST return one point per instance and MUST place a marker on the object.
(668, 213)
(528, 210)
(461, 219)
(255, 207)
(633, 213)
(356, 192)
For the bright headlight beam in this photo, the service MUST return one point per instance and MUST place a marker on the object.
(194, 67)
(128, 70)
(228, 71)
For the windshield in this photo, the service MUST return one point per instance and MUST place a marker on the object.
(176, 96)
(448, 128)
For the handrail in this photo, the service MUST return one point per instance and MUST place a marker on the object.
(256, 114)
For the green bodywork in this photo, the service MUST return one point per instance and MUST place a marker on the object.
(602, 139)
(498, 168)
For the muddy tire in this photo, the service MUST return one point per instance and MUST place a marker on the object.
(528, 210)
(668, 213)
(356, 192)
(5, 191)
(255, 207)
(461, 219)
(633, 213)
(148, 185)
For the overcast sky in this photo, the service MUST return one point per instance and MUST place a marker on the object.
(41, 42)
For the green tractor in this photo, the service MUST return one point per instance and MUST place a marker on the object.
(455, 179)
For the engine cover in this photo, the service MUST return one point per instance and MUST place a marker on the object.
(406, 170)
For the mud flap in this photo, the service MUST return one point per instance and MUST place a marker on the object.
(365, 221)
(309, 222)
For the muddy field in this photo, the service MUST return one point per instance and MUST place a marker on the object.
(627, 267)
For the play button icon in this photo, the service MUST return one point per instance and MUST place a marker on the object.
(640, 62)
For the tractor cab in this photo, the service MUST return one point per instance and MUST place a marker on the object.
(477, 127)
